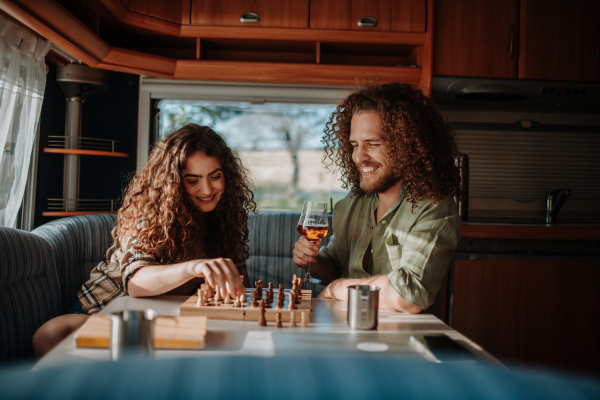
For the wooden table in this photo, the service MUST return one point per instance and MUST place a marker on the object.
(327, 333)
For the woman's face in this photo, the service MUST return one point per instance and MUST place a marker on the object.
(204, 181)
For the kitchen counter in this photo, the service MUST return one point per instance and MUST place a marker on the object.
(568, 230)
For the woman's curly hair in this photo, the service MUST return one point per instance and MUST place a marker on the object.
(421, 145)
(158, 213)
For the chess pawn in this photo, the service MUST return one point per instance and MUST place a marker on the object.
(270, 295)
(237, 302)
(292, 302)
(293, 319)
(278, 323)
(243, 298)
(304, 320)
(279, 304)
(218, 293)
(227, 299)
(262, 321)
(201, 300)
(254, 299)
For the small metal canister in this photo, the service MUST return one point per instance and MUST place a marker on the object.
(363, 306)
(132, 332)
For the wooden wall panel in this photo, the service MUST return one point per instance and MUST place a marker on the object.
(531, 312)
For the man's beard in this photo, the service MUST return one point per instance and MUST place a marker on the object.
(381, 185)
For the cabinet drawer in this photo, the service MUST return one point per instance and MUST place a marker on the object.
(396, 16)
(261, 13)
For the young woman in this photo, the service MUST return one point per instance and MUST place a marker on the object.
(183, 221)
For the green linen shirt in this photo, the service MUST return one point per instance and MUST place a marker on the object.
(413, 247)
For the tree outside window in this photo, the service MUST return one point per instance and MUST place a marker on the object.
(279, 143)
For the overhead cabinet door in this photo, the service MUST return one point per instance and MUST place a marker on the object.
(379, 15)
(258, 13)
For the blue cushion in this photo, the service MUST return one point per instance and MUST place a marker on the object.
(272, 237)
(79, 243)
(286, 377)
(29, 291)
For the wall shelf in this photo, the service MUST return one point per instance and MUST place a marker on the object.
(85, 152)
(75, 147)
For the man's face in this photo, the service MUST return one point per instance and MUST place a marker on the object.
(370, 153)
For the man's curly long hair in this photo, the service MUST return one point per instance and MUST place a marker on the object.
(158, 213)
(420, 144)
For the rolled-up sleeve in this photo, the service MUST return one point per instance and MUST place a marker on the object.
(131, 261)
(421, 262)
(412, 246)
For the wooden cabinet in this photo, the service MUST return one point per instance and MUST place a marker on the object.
(530, 312)
(256, 13)
(476, 38)
(379, 15)
(292, 42)
(527, 39)
(561, 40)
(176, 11)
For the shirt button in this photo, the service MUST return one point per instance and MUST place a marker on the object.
(371, 251)
(383, 222)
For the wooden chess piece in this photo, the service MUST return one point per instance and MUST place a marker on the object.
(254, 302)
(259, 290)
(298, 291)
(243, 298)
(292, 302)
(237, 302)
(279, 304)
(304, 320)
(227, 299)
(218, 296)
(278, 323)
(262, 321)
(293, 319)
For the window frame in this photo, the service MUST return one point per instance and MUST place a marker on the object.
(153, 89)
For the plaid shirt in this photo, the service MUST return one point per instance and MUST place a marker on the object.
(109, 280)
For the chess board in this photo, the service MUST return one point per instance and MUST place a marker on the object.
(217, 309)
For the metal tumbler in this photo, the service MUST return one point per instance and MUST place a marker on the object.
(363, 306)
(132, 332)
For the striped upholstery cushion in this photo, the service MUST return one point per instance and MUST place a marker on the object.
(79, 244)
(29, 291)
(272, 238)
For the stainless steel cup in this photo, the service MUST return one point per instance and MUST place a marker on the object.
(132, 332)
(363, 306)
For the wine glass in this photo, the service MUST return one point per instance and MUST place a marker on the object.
(313, 225)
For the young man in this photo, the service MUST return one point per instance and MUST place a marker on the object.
(399, 225)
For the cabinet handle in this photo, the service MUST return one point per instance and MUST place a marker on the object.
(249, 18)
(367, 22)
(512, 41)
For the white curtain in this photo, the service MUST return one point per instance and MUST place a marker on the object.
(22, 83)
